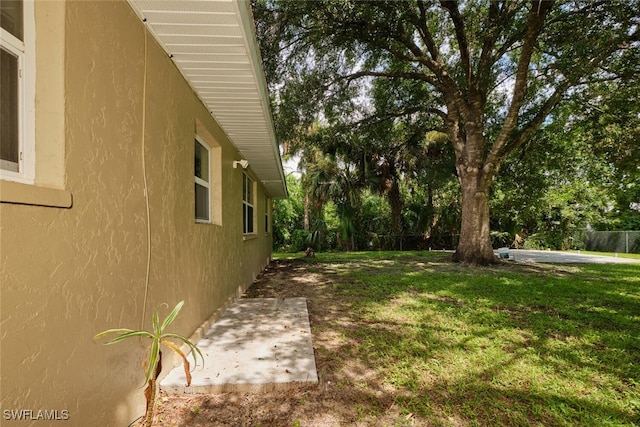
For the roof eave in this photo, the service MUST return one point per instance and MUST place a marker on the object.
(244, 110)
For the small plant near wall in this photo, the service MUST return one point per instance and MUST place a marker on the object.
(153, 361)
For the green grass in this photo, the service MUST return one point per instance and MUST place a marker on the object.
(513, 345)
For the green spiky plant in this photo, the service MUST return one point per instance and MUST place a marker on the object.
(153, 361)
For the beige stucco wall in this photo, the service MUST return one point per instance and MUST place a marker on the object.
(68, 273)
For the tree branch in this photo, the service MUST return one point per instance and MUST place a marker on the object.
(461, 37)
(425, 34)
(500, 151)
(403, 113)
(394, 74)
(534, 25)
(488, 44)
(527, 131)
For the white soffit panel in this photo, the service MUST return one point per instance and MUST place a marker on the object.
(213, 44)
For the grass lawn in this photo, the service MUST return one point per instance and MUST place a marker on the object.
(411, 339)
(556, 345)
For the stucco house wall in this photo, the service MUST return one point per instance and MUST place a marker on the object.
(106, 234)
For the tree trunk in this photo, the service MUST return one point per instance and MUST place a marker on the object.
(395, 203)
(307, 208)
(474, 246)
(431, 221)
(390, 186)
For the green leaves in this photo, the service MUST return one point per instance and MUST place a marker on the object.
(123, 334)
(379, 75)
(158, 337)
(170, 318)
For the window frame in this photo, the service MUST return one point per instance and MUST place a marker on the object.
(24, 51)
(267, 203)
(201, 182)
(248, 206)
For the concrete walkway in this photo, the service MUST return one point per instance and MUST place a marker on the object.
(521, 255)
(258, 344)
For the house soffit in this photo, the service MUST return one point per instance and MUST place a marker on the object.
(213, 44)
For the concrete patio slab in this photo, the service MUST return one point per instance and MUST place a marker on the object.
(258, 344)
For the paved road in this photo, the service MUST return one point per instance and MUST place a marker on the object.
(521, 255)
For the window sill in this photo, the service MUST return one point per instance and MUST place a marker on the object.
(25, 194)
(246, 237)
(208, 223)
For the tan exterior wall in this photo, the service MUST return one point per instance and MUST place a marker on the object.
(68, 273)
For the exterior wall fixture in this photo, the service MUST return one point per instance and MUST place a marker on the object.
(244, 163)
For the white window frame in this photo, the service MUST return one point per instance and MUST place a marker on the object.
(248, 202)
(267, 222)
(203, 183)
(25, 52)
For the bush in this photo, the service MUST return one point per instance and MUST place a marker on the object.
(299, 241)
(500, 239)
(552, 239)
(544, 240)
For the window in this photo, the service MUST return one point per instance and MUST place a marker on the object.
(9, 139)
(202, 179)
(266, 214)
(212, 177)
(17, 95)
(247, 205)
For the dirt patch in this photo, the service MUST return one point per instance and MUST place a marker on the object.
(348, 393)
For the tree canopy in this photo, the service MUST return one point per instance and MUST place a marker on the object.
(380, 76)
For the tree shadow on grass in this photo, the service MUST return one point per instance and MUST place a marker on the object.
(451, 346)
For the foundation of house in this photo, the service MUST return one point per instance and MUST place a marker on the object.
(258, 344)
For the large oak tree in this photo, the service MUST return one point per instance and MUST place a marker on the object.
(495, 70)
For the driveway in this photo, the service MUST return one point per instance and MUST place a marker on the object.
(521, 255)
